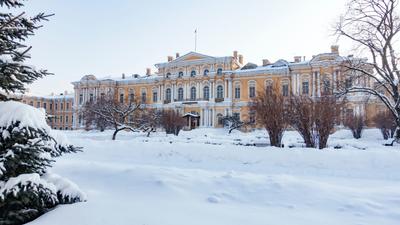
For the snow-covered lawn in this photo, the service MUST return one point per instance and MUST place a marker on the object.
(206, 177)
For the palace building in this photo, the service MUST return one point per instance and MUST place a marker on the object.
(59, 108)
(206, 88)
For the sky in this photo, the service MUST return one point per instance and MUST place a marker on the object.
(108, 38)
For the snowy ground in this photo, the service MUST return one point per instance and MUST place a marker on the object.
(206, 177)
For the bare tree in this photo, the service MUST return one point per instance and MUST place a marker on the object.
(386, 124)
(120, 116)
(314, 118)
(93, 120)
(355, 123)
(172, 122)
(234, 123)
(374, 26)
(326, 111)
(271, 110)
(301, 118)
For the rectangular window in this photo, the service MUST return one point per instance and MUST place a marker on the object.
(38, 104)
(305, 88)
(91, 98)
(154, 96)
(144, 97)
(252, 92)
(31, 103)
(56, 106)
(66, 119)
(67, 105)
(62, 106)
(131, 97)
(80, 99)
(51, 106)
(285, 90)
(44, 105)
(237, 92)
(61, 119)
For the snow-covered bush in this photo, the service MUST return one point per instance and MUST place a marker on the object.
(27, 148)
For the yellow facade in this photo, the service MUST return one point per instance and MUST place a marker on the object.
(59, 109)
(212, 87)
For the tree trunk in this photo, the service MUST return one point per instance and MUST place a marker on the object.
(115, 133)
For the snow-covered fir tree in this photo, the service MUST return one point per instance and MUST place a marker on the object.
(14, 31)
(28, 146)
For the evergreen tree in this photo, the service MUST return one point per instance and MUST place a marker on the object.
(27, 148)
(14, 31)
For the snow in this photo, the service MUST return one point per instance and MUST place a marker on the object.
(28, 116)
(206, 176)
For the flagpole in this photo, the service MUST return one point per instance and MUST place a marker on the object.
(195, 40)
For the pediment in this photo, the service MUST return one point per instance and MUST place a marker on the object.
(192, 56)
(325, 57)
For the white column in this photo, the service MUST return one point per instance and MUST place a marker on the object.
(212, 90)
(313, 84)
(334, 80)
(298, 84)
(213, 117)
(319, 84)
(294, 81)
(202, 117)
(230, 89)
(206, 118)
(198, 90)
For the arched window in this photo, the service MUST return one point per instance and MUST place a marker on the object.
(193, 93)
(220, 119)
(180, 74)
(155, 96)
(219, 71)
(206, 93)
(168, 75)
(180, 94)
(220, 91)
(168, 94)
(237, 91)
(144, 96)
(206, 71)
(193, 73)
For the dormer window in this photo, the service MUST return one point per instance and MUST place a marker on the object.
(219, 71)
(168, 75)
(206, 71)
(180, 74)
(193, 73)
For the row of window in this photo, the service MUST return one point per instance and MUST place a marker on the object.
(206, 93)
(44, 105)
(193, 73)
(60, 119)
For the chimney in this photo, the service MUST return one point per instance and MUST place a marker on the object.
(148, 71)
(123, 76)
(335, 49)
(241, 59)
(170, 58)
(266, 62)
(235, 54)
(297, 59)
(177, 55)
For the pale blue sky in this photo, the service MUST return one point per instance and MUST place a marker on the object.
(110, 38)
